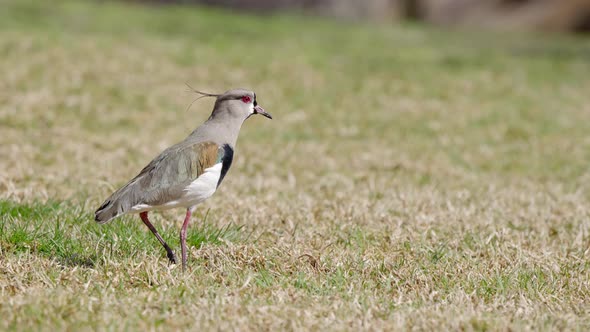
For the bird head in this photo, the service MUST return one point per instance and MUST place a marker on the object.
(235, 103)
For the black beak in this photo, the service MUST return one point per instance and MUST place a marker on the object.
(261, 111)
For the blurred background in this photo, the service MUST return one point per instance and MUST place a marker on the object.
(545, 15)
(473, 85)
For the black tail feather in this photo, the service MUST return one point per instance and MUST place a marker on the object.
(106, 212)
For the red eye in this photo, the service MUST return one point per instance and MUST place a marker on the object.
(246, 99)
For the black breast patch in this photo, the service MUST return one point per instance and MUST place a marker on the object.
(226, 155)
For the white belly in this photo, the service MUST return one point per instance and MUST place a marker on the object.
(196, 192)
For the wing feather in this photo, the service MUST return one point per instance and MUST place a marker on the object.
(163, 179)
(167, 180)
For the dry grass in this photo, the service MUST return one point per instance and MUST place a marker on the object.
(411, 179)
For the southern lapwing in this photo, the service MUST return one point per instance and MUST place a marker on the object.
(189, 172)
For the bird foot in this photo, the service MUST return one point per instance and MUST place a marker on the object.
(171, 257)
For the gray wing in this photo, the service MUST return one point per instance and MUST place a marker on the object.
(163, 179)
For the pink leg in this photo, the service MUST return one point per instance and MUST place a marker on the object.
(169, 252)
(183, 237)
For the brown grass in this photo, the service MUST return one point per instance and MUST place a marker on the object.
(418, 186)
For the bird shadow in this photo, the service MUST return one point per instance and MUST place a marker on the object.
(76, 260)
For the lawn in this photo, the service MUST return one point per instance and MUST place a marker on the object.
(412, 178)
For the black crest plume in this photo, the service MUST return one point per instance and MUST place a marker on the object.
(202, 95)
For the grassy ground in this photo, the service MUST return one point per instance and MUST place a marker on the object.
(412, 178)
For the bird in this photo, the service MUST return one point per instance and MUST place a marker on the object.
(189, 172)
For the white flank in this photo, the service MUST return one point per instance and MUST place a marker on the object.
(204, 186)
(197, 191)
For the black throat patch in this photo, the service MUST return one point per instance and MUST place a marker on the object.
(226, 159)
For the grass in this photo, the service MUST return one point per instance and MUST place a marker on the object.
(412, 178)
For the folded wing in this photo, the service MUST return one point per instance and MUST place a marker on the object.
(168, 178)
